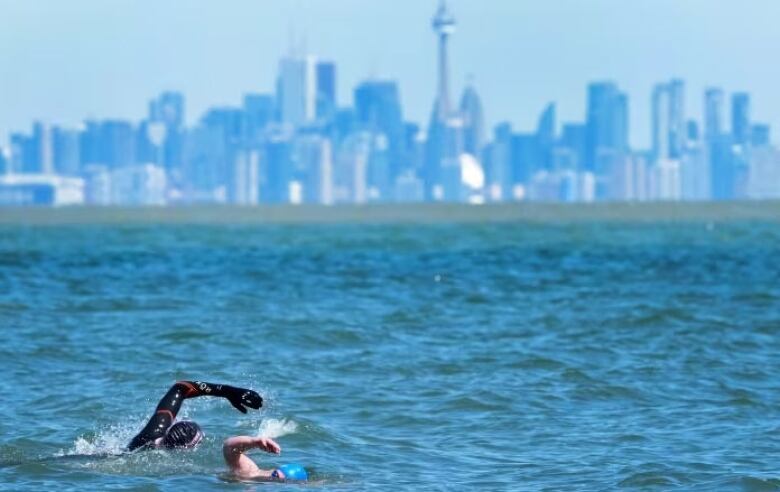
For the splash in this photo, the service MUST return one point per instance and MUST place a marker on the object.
(110, 440)
(105, 451)
(113, 438)
(275, 428)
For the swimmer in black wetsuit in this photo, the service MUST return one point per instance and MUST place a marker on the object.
(162, 432)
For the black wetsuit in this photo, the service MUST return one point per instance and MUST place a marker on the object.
(169, 406)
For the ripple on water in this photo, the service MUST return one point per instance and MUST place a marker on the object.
(440, 357)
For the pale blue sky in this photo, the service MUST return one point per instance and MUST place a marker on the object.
(63, 60)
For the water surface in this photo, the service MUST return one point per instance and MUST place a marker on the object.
(514, 356)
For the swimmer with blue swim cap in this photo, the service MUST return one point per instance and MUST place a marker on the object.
(243, 467)
(163, 432)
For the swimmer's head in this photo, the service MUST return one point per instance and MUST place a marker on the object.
(290, 472)
(183, 434)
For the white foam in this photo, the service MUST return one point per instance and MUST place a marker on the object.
(109, 440)
(274, 428)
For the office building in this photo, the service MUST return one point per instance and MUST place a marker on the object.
(326, 102)
(740, 118)
(713, 114)
(473, 121)
(66, 151)
(245, 188)
(378, 110)
(669, 124)
(314, 160)
(40, 190)
(297, 90)
(606, 121)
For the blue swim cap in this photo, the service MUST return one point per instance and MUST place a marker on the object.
(292, 472)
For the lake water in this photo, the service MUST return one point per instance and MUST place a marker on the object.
(515, 356)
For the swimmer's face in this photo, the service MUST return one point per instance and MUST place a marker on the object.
(290, 472)
(277, 475)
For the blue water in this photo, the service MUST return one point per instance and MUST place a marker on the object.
(591, 356)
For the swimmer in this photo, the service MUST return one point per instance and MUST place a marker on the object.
(162, 432)
(244, 468)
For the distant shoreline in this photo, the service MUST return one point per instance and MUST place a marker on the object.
(764, 211)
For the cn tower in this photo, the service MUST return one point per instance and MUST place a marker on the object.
(444, 25)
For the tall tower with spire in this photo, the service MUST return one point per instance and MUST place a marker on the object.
(443, 147)
(444, 26)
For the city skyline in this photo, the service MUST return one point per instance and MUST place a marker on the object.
(252, 66)
(299, 143)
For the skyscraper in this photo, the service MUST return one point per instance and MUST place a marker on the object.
(345, 123)
(350, 175)
(378, 109)
(525, 157)
(222, 136)
(65, 151)
(326, 90)
(696, 182)
(22, 155)
(713, 113)
(677, 128)
(499, 163)
(89, 144)
(669, 125)
(723, 167)
(473, 121)
(246, 178)
(740, 118)
(661, 117)
(378, 174)
(167, 113)
(229, 122)
(259, 110)
(574, 137)
(168, 108)
(32, 154)
(545, 135)
(205, 163)
(314, 160)
(276, 171)
(116, 144)
(43, 147)
(607, 121)
(297, 90)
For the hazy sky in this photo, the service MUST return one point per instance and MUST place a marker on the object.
(64, 60)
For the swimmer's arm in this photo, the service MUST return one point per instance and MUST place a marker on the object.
(240, 398)
(234, 448)
(163, 416)
(170, 404)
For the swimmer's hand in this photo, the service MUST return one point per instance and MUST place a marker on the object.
(267, 444)
(241, 398)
